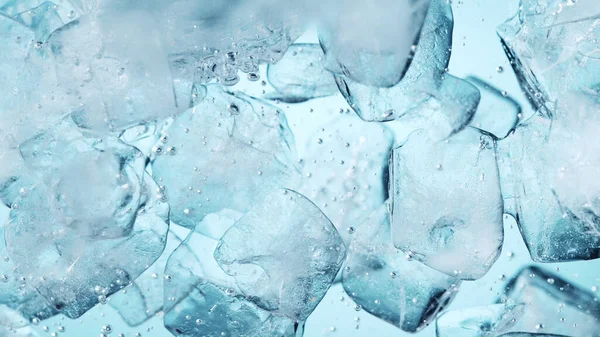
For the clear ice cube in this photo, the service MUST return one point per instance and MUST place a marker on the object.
(345, 170)
(202, 301)
(284, 254)
(71, 246)
(300, 75)
(553, 49)
(225, 152)
(447, 206)
(385, 282)
(370, 45)
(553, 190)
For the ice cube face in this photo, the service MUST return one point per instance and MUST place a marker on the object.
(345, 171)
(446, 195)
(211, 143)
(76, 242)
(534, 301)
(552, 45)
(387, 283)
(357, 39)
(283, 254)
(200, 299)
(301, 75)
(554, 194)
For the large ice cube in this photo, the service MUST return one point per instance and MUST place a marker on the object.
(553, 48)
(534, 301)
(372, 42)
(447, 206)
(345, 170)
(386, 283)
(202, 301)
(283, 254)
(225, 152)
(300, 75)
(553, 165)
(143, 299)
(77, 247)
(115, 69)
(426, 95)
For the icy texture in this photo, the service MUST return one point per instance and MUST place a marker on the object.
(144, 298)
(386, 283)
(359, 42)
(345, 170)
(202, 301)
(226, 152)
(447, 206)
(115, 69)
(526, 334)
(77, 242)
(534, 301)
(553, 48)
(554, 187)
(283, 254)
(426, 95)
(300, 75)
(497, 113)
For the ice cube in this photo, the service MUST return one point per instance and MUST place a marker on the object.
(359, 43)
(426, 95)
(225, 152)
(141, 300)
(345, 170)
(553, 165)
(534, 301)
(43, 20)
(115, 69)
(447, 206)
(201, 300)
(553, 48)
(388, 284)
(16, 40)
(300, 75)
(283, 254)
(497, 113)
(77, 248)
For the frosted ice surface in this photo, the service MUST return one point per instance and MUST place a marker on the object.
(485, 321)
(345, 170)
(202, 301)
(370, 45)
(447, 206)
(554, 192)
(553, 48)
(386, 283)
(226, 152)
(300, 75)
(283, 254)
(78, 243)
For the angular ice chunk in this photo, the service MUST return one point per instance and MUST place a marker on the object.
(225, 152)
(16, 40)
(534, 301)
(300, 75)
(283, 254)
(201, 300)
(497, 113)
(553, 48)
(372, 42)
(386, 283)
(426, 94)
(345, 171)
(554, 164)
(447, 206)
(43, 20)
(77, 248)
(143, 299)
(115, 68)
